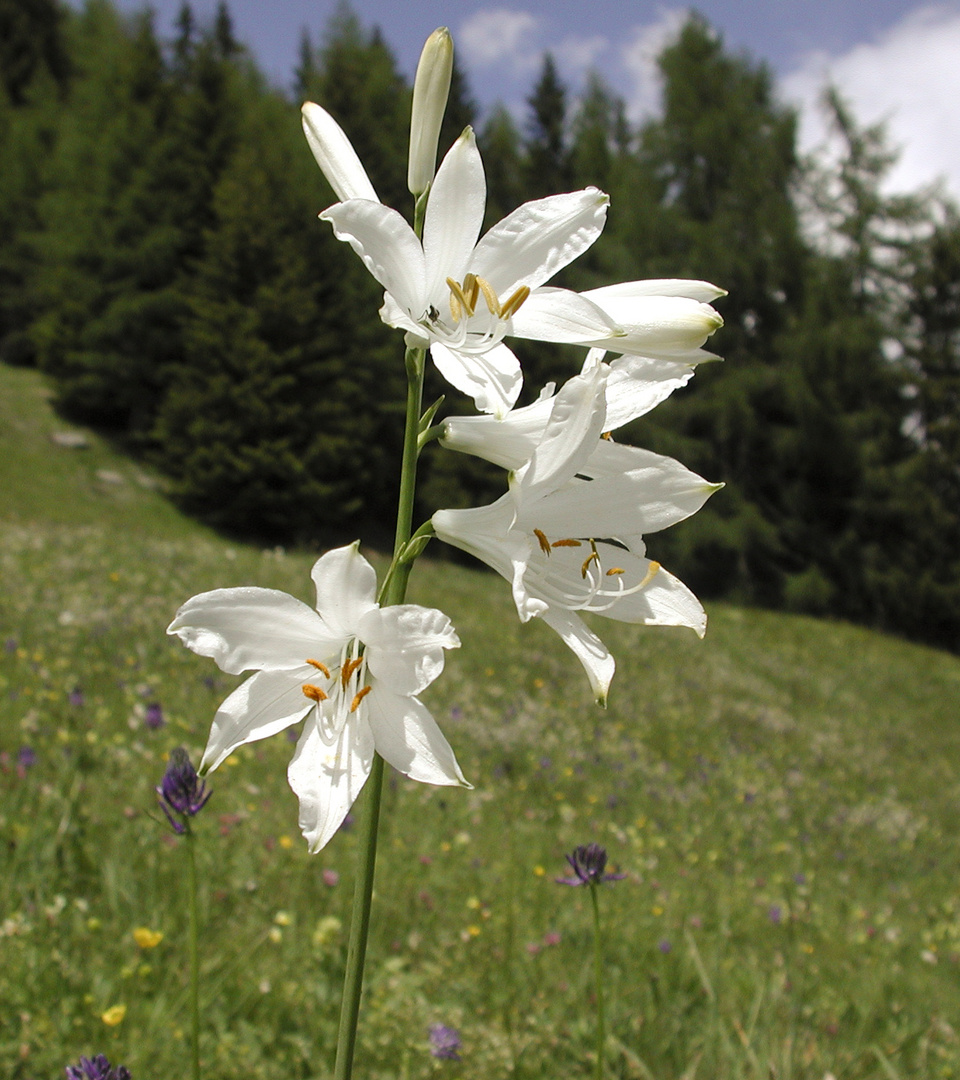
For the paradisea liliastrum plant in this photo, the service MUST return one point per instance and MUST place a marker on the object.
(567, 535)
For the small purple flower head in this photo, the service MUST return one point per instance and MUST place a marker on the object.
(26, 756)
(179, 791)
(97, 1068)
(445, 1042)
(664, 946)
(775, 914)
(153, 716)
(588, 864)
(76, 697)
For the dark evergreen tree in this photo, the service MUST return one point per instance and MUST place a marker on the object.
(547, 153)
(31, 42)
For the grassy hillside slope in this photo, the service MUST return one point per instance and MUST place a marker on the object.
(782, 796)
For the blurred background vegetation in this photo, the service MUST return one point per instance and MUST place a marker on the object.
(162, 262)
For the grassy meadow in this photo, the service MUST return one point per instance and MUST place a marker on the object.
(783, 797)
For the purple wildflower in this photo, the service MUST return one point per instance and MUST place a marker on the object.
(10, 645)
(664, 946)
(588, 864)
(76, 698)
(153, 716)
(97, 1068)
(179, 792)
(776, 914)
(445, 1042)
(26, 756)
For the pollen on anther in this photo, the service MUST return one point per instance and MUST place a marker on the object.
(493, 304)
(361, 694)
(349, 667)
(570, 542)
(615, 570)
(313, 692)
(320, 667)
(542, 540)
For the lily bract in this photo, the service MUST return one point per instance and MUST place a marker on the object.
(351, 669)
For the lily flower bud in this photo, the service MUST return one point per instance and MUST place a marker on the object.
(430, 90)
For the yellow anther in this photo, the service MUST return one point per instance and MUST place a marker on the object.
(615, 570)
(543, 541)
(457, 294)
(313, 692)
(493, 304)
(587, 561)
(471, 290)
(608, 435)
(320, 667)
(348, 669)
(456, 308)
(512, 306)
(567, 543)
(361, 694)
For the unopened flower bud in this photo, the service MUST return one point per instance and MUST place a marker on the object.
(430, 90)
(336, 157)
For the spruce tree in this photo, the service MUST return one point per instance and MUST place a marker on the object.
(548, 168)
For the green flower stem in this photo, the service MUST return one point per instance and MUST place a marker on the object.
(359, 924)
(598, 970)
(393, 592)
(190, 844)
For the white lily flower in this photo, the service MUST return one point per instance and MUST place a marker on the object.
(350, 667)
(459, 297)
(568, 534)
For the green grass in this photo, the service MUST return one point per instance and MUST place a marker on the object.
(783, 797)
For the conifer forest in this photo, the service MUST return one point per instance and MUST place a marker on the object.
(162, 262)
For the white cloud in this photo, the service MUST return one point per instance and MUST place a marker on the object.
(910, 78)
(491, 37)
(639, 58)
(577, 55)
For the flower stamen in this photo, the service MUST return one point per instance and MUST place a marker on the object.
(542, 540)
(513, 305)
(592, 557)
(349, 667)
(459, 301)
(313, 692)
(615, 570)
(320, 667)
(569, 542)
(361, 694)
(493, 304)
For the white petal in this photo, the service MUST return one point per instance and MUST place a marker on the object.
(508, 442)
(656, 325)
(328, 778)
(569, 438)
(587, 647)
(250, 628)
(484, 532)
(266, 703)
(638, 383)
(693, 290)
(666, 601)
(493, 379)
(563, 316)
(634, 491)
(404, 645)
(454, 215)
(335, 155)
(346, 589)
(539, 238)
(388, 247)
(407, 736)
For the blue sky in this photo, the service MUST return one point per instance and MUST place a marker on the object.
(897, 60)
